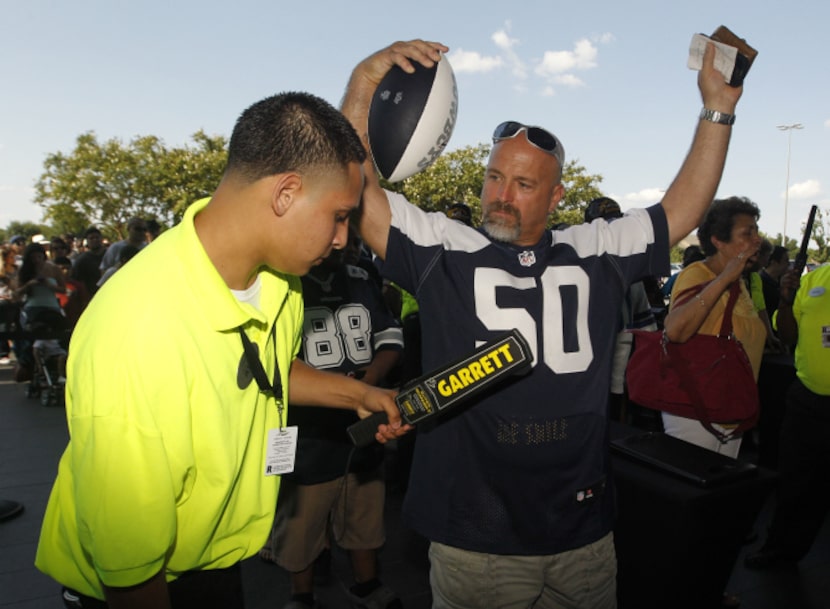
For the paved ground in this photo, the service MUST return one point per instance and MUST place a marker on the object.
(32, 438)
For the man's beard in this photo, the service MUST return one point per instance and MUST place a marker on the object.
(499, 228)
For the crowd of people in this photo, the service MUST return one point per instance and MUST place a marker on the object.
(46, 283)
(234, 431)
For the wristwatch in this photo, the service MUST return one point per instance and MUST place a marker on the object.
(713, 116)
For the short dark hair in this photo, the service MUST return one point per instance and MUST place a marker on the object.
(460, 211)
(720, 218)
(153, 226)
(602, 207)
(691, 254)
(291, 132)
(92, 229)
(779, 253)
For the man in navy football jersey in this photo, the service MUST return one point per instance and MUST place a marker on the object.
(513, 493)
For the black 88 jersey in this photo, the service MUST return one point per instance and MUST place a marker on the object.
(346, 320)
(346, 323)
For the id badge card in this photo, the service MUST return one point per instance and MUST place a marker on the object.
(282, 450)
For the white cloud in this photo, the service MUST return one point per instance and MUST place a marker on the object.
(473, 62)
(555, 68)
(583, 57)
(569, 80)
(504, 42)
(804, 190)
(827, 123)
(646, 196)
(555, 62)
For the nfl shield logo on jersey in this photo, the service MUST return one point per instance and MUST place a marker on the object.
(527, 258)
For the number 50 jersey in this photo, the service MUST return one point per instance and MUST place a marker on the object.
(523, 470)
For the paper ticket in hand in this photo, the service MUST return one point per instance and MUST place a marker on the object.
(733, 56)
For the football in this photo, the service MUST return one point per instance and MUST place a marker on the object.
(411, 119)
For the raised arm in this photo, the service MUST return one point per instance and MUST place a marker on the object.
(694, 188)
(375, 215)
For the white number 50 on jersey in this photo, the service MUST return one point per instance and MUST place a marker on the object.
(553, 353)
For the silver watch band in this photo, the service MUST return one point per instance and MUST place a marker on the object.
(713, 116)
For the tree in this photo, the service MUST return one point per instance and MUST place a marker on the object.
(194, 172)
(457, 176)
(580, 189)
(26, 229)
(107, 183)
(791, 244)
(676, 253)
(822, 252)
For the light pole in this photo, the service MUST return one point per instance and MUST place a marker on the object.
(789, 130)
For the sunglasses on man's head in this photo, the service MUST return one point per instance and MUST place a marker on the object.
(541, 138)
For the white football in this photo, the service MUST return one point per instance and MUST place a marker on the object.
(411, 119)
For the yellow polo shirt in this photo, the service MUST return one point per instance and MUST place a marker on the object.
(756, 291)
(811, 310)
(166, 459)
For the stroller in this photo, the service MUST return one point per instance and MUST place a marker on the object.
(43, 350)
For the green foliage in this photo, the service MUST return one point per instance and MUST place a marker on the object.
(455, 176)
(822, 253)
(676, 253)
(107, 183)
(27, 229)
(819, 236)
(791, 244)
(580, 189)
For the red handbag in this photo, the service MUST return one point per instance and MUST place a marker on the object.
(707, 378)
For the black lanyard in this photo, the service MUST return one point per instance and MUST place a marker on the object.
(252, 357)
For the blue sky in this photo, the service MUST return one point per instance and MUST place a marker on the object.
(608, 77)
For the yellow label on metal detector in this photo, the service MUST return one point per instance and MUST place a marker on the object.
(494, 360)
(504, 356)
